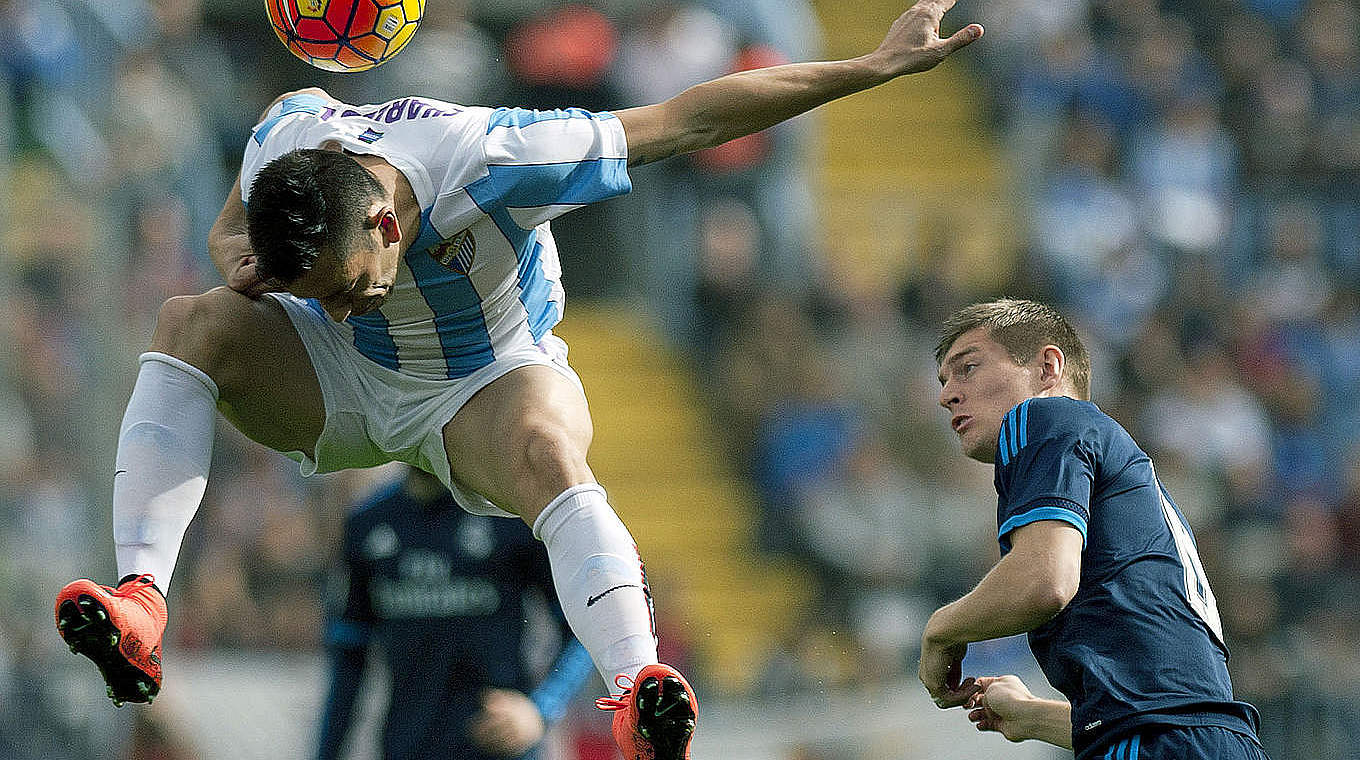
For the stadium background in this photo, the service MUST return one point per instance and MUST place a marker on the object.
(754, 326)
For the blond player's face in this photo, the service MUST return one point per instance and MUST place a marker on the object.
(980, 382)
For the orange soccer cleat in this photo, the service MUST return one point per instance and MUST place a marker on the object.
(120, 630)
(655, 714)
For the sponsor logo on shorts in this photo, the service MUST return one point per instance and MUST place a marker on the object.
(457, 253)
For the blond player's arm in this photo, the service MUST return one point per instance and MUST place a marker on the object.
(739, 104)
(229, 241)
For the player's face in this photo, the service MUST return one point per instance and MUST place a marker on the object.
(347, 287)
(980, 383)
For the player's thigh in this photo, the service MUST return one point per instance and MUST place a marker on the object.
(250, 348)
(522, 439)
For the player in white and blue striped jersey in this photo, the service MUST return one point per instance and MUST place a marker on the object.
(392, 287)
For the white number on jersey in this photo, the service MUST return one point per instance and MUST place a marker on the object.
(1197, 591)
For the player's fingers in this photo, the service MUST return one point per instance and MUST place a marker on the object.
(962, 38)
(936, 8)
(969, 689)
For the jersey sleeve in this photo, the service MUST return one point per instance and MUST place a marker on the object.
(541, 164)
(278, 133)
(1045, 466)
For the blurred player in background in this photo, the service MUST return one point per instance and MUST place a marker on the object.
(392, 285)
(446, 595)
(1098, 564)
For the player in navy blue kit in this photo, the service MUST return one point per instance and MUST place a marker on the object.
(1098, 564)
(443, 594)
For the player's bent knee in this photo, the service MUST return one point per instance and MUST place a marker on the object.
(201, 328)
(550, 456)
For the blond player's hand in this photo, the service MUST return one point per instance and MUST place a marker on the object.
(914, 44)
(1002, 705)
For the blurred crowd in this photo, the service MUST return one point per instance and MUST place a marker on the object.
(1189, 179)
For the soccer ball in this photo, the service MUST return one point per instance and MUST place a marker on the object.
(344, 35)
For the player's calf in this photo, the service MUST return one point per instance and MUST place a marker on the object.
(120, 630)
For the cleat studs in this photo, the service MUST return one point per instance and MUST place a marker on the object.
(113, 640)
(73, 649)
(144, 689)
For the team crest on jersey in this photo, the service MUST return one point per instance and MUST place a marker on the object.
(457, 252)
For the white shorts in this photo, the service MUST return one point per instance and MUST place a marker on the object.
(375, 415)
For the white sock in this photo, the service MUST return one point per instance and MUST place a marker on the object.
(599, 579)
(164, 451)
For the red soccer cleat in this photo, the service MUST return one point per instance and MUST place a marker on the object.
(655, 714)
(120, 630)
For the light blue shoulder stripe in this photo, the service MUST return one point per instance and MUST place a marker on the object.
(304, 103)
(523, 117)
(1024, 422)
(1133, 749)
(1010, 427)
(1005, 440)
(568, 183)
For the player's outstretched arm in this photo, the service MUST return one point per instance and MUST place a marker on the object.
(739, 104)
(1005, 705)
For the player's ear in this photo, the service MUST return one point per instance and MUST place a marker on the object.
(1052, 365)
(384, 219)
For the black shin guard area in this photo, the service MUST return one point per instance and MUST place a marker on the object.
(86, 627)
(665, 716)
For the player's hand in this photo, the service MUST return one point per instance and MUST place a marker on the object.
(913, 43)
(508, 725)
(941, 672)
(242, 278)
(1000, 706)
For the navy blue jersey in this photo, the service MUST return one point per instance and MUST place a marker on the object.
(443, 593)
(1141, 642)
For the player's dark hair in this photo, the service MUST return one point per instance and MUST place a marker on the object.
(304, 203)
(1022, 328)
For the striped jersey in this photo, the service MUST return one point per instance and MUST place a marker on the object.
(482, 277)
